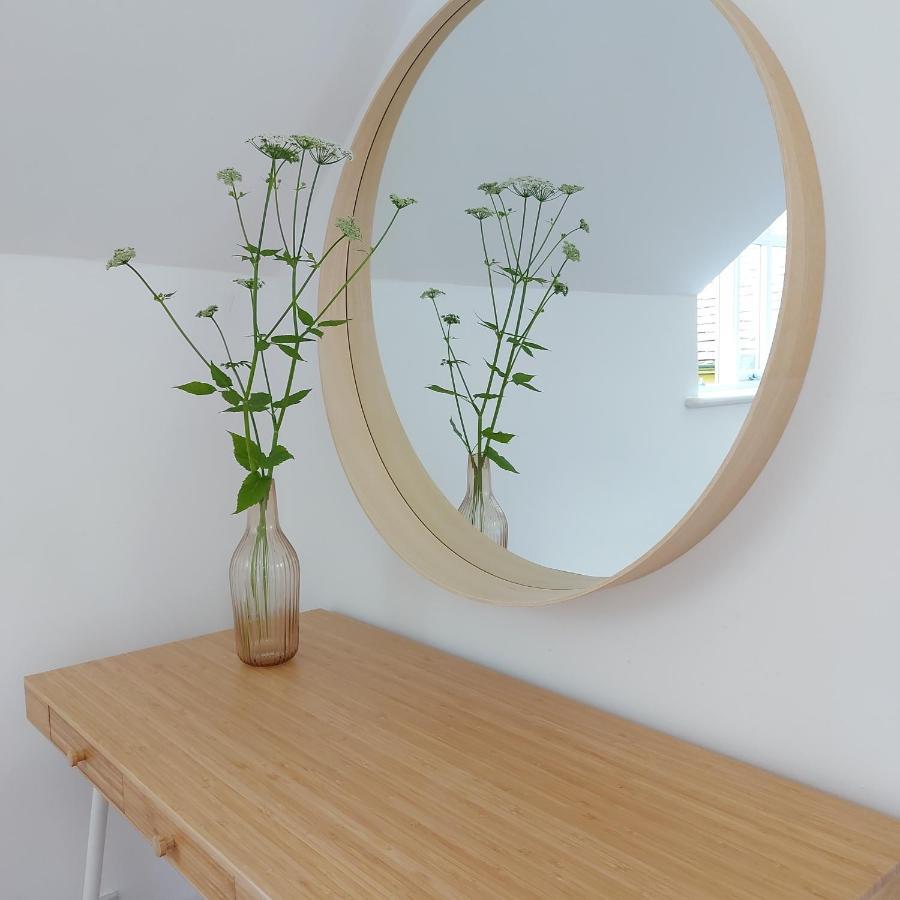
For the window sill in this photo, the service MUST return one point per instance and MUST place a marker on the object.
(721, 398)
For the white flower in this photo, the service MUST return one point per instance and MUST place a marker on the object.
(402, 202)
(122, 256)
(529, 186)
(349, 228)
(229, 176)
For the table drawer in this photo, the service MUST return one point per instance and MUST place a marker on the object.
(179, 848)
(89, 760)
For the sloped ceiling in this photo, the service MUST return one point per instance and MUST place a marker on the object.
(653, 105)
(118, 113)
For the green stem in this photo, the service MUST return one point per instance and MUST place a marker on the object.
(168, 312)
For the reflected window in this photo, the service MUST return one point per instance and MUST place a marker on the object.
(737, 313)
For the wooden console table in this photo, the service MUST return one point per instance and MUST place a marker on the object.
(372, 766)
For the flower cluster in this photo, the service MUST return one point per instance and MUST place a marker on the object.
(583, 225)
(451, 318)
(480, 212)
(402, 202)
(252, 284)
(275, 147)
(348, 228)
(569, 189)
(120, 257)
(528, 186)
(571, 252)
(207, 313)
(431, 294)
(229, 176)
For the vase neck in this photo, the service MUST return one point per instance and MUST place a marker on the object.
(264, 514)
(479, 479)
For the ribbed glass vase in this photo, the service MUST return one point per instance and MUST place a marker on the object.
(265, 589)
(480, 506)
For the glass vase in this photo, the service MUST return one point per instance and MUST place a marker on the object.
(480, 507)
(265, 589)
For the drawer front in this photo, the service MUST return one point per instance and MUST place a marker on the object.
(92, 763)
(182, 851)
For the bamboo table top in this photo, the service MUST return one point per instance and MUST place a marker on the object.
(372, 766)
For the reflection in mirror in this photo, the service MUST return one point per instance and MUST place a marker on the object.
(656, 291)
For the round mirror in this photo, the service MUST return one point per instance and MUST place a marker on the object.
(579, 349)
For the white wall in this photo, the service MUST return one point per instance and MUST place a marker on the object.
(774, 640)
(609, 458)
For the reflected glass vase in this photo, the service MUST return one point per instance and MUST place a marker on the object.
(265, 589)
(480, 507)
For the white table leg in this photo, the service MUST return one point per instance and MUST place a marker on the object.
(93, 866)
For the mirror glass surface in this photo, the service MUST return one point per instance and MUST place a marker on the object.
(656, 337)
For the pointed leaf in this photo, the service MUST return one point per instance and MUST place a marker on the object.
(332, 323)
(278, 456)
(286, 339)
(198, 388)
(441, 390)
(305, 317)
(232, 397)
(254, 489)
(291, 400)
(290, 351)
(221, 379)
(258, 402)
(501, 461)
(501, 437)
(248, 455)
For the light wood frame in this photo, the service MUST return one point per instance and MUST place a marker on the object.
(389, 480)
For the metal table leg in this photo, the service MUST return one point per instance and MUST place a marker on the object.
(93, 866)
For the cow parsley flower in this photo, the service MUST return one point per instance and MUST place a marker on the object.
(207, 313)
(492, 187)
(250, 283)
(451, 318)
(480, 212)
(431, 294)
(583, 225)
(275, 147)
(305, 141)
(325, 153)
(528, 186)
(570, 189)
(349, 228)
(120, 257)
(402, 202)
(560, 287)
(229, 176)
(571, 252)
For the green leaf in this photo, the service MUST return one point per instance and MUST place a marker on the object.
(278, 456)
(232, 397)
(286, 339)
(486, 396)
(262, 345)
(533, 346)
(501, 461)
(458, 433)
(290, 351)
(441, 390)
(495, 370)
(315, 331)
(524, 380)
(198, 388)
(291, 400)
(501, 437)
(305, 317)
(254, 489)
(219, 377)
(332, 323)
(248, 456)
(269, 252)
(259, 402)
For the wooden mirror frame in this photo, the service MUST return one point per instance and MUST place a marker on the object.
(389, 480)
